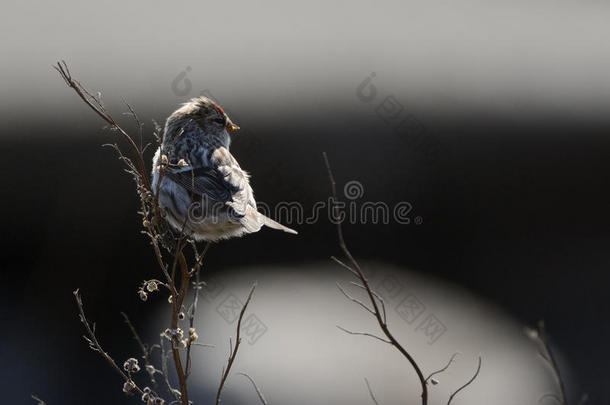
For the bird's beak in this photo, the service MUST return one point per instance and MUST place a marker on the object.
(231, 127)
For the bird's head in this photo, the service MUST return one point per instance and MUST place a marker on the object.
(204, 112)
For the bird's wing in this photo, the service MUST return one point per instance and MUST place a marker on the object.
(203, 181)
(227, 165)
(223, 180)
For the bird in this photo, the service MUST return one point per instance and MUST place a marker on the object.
(200, 187)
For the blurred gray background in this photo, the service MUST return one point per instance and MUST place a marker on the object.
(490, 118)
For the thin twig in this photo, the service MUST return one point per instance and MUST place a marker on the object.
(258, 390)
(95, 345)
(177, 307)
(467, 383)
(368, 387)
(350, 332)
(233, 351)
(40, 401)
(193, 308)
(353, 264)
(442, 369)
(355, 300)
(98, 107)
(164, 360)
(145, 353)
(550, 358)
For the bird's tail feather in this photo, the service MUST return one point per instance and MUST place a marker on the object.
(276, 225)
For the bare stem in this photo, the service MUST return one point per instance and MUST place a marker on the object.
(40, 401)
(95, 345)
(467, 383)
(233, 353)
(258, 390)
(368, 387)
(442, 369)
(177, 306)
(145, 353)
(98, 107)
(543, 339)
(379, 315)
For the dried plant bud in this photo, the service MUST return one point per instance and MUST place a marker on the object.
(164, 159)
(181, 315)
(131, 365)
(146, 390)
(179, 333)
(170, 299)
(193, 334)
(143, 295)
(150, 369)
(152, 285)
(183, 343)
(128, 387)
(146, 223)
(434, 381)
(159, 401)
(182, 163)
(173, 333)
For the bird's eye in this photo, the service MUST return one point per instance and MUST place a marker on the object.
(219, 120)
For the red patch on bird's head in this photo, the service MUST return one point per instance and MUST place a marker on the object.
(219, 109)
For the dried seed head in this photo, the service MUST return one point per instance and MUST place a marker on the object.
(178, 333)
(182, 163)
(152, 285)
(181, 315)
(146, 223)
(143, 295)
(164, 159)
(434, 381)
(128, 387)
(131, 365)
(193, 334)
(150, 369)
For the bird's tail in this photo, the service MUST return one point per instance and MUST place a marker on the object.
(276, 225)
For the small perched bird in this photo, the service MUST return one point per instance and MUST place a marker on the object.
(201, 188)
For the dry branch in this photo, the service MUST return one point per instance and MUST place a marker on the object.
(466, 384)
(354, 267)
(378, 309)
(233, 353)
